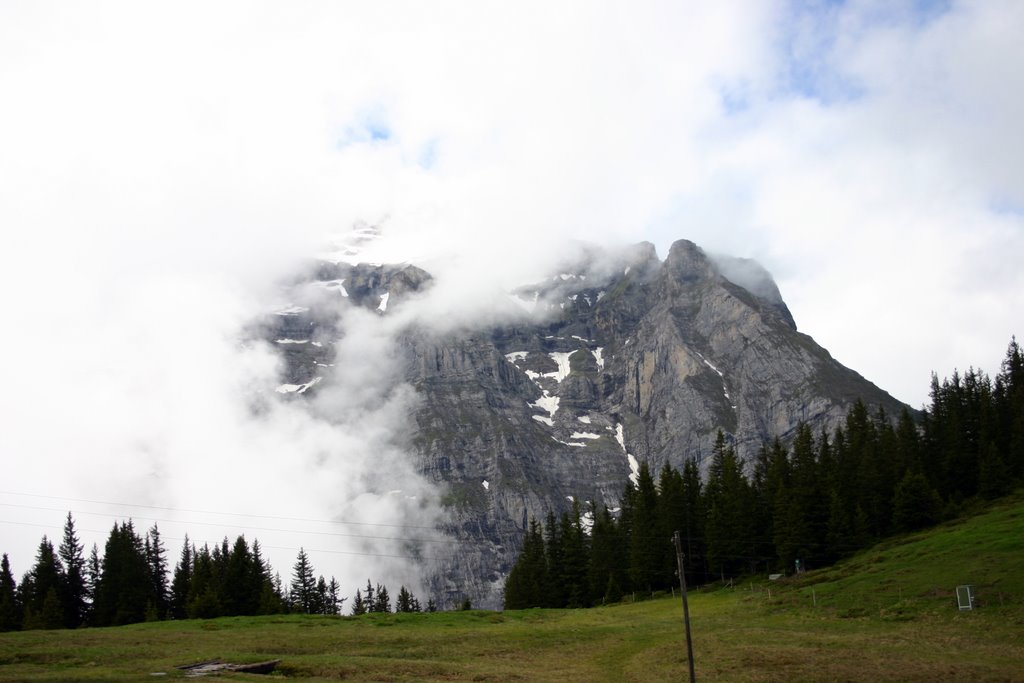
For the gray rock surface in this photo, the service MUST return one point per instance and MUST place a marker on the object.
(625, 358)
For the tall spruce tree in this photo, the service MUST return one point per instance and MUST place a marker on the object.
(204, 590)
(303, 584)
(156, 562)
(181, 582)
(75, 594)
(42, 606)
(575, 557)
(607, 569)
(728, 502)
(694, 524)
(123, 590)
(92, 580)
(554, 590)
(646, 537)
(10, 611)
(381, 600)
(358, 604)
(526, 581)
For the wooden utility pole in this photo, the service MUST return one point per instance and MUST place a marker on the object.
(686, 606)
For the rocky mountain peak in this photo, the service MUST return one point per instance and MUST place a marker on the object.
(620, 358)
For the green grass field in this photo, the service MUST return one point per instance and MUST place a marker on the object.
(886, 614)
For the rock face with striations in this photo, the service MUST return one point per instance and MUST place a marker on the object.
(620, 359)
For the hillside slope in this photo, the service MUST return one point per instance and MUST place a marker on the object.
(886, 614)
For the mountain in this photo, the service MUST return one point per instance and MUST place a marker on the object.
(616, 359)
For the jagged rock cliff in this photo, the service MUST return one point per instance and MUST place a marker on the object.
(619, 358)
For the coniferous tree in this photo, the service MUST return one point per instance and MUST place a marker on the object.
(75, 597)
(810, 506)
(241, 589)
(403, 603)
(303, 585)
(204, 591)
(369, 598)
(728, 501)
(671, 514)
(10, 611)
(1010, 411)
(381, 600)
(358, 604)
(24, 597)
(42, 605)
(607, 567)
(92, 578)
(334, 599)
(916, 504)
(321, 598)
(575, 556)
(123, 589)
(646, 543)
(156, 561)
(270, 600)
(692, 532)
(181, 583)
(554, 590)
(526, 582)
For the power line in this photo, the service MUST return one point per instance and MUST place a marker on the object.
(244, 526)
(271, 547)
(213, 512)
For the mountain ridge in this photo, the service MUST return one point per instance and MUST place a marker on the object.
(618, 358)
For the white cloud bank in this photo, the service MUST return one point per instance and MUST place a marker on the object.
(163, 165)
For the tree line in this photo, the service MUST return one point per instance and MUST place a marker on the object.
(821, 498)
(131, 582)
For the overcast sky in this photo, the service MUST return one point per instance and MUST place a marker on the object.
(162, 164)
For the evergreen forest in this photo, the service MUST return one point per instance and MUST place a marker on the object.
(132, 582)
(807, 505)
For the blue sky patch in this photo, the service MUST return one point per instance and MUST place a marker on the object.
(370, 127)
(428, 154)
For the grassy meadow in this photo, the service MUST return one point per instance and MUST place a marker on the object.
(887, 614)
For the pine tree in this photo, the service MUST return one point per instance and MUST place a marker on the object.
(334, 599)
(916, 504)
(369, 598)
(1010, 411)
(694, 523)
(728, 500)
(204, 591)
(123, 589)
(47, 576)
(646, 544)
(156, 561)
(671, 514)
(575, 557)
(358, 605)
(607, 557)
(321, 598)
(554, 590)
(526, 581)
(181, 583)
(382, 601)
(303, 584)
(10, 611)
(92, 578)
(75, 591)
(241, 588)
(404, 601)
